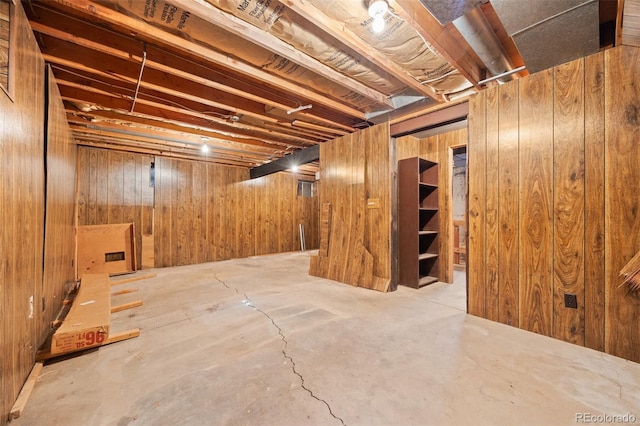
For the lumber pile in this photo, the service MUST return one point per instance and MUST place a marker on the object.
(631, 273)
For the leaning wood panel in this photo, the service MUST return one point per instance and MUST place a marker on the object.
(594, 202)
(492, 246)
(622, 206)
(508, 220)
(568, 205)
(59, 240)
(477, 174)
(445, 183)
(536, 203)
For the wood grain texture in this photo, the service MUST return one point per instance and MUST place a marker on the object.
(22, 217)
(59, 238)
(492, 275)
(568, 204)
(578, 129)
(536, 203)
(622, 205)
(114, 186)
(477, 210)
(355, 168)
(508, 218)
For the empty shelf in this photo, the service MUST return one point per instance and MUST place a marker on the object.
(427, 256)
(426, 281)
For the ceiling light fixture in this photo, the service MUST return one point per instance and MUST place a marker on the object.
(377, 10)
(205, 147)
(294, 168)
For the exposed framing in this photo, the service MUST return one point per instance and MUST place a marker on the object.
(7, 17)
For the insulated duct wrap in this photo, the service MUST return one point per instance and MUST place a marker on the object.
(400, 42)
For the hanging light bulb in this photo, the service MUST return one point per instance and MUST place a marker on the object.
(377, 10)
(378, 24)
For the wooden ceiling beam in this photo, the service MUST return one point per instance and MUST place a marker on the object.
(338, 32)
(160, 152)
(80, 93)
(98, 12)
(121, 139)
(165, 137)
(447, 40)
(168, 64)
(246, 31)
(167, 124)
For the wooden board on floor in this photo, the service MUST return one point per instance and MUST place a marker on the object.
(25, 392)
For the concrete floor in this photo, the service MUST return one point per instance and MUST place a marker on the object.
(259, 342)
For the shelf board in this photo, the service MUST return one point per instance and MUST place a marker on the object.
(427, 232)
(428, 185)
(424, 256)
(428, 209)
(426, 281)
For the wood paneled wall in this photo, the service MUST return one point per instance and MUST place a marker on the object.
(553, 202)
(355, 171)
(59, 238)
(199, 212)
(113, 187)
(22, 210)
(207, 212)
(25, 255)
(438, 148)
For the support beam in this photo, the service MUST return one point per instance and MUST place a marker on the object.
(443, 116)
(297, 159)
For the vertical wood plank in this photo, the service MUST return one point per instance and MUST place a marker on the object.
(493, 197)
(568, 205)
(536, 203)
(445, 186)
(594, 202)
(477, 174)
(622, 205)
(508, 224)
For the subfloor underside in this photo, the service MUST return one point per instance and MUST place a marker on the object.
(259, 342)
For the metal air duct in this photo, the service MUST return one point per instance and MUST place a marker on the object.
(477, 31)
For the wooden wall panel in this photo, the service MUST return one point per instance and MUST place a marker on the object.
(492, 244)
(477, 200)
(508, 204)
(577, 154)
(357, 168)
(536, 202)
(59, 239)
(113, 187)
(206, 212)
(622, 207)
(22, 212)
(594, 202)
(568, 204)
(438, 148)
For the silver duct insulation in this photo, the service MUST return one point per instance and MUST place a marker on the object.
(476, 30)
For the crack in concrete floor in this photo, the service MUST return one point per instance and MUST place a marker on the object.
(248, 302)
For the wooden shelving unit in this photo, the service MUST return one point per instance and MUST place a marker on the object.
(418, 222)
